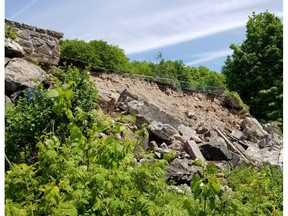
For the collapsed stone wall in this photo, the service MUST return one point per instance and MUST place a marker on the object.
(39, 45)
(195, 125)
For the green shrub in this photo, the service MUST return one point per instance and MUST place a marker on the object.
(256, 191)
(98, 53)
(25, 123)
(10, 32)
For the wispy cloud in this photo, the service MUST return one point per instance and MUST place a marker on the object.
(23, 9)
(189, 22)
(209, 56)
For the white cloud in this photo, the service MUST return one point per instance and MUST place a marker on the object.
(209, 56)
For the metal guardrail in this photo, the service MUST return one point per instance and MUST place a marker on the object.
(180, 84)
(166, 81)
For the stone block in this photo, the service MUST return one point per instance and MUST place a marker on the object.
(193, 150)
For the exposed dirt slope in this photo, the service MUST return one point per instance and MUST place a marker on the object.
(193, 109)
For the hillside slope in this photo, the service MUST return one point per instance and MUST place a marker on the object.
(209, 117)
(191, 108)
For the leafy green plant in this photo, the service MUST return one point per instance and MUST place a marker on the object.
(206, 189)
(198, 162)
(10, 32)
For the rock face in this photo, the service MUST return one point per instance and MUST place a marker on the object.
(132, 104)
(20, 73)
(39, 45)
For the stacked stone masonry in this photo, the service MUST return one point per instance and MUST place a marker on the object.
(40, 45)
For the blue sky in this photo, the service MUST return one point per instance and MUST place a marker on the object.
(197, 32)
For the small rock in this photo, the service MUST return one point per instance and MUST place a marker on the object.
(177, 145)
(163, 151)
(164, 145)
(237, 134)
(178, 137)
(188, 133)
(212, 134)
(265, 142)
(202, 129)
(206, 139)
(224, 189)
(168, 92)
(190, 114)
(7, 100)
(153, 145)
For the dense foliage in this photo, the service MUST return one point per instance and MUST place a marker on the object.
(101, 54)
(177, 70)
(96, 52)
(65, 157)
(255, 69)
(256, 191)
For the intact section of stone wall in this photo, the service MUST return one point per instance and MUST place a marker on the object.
(40, 45)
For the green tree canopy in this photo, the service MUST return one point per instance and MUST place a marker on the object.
(96, 52)
(255, 69)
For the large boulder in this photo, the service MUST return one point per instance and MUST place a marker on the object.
(182, 170)
(272, 141)
(252, 129)
(188, 133)
(265, 155)
(13, 49)
(164, 132)
(216, 150)
(149, 112)
(19, 73)
(271, 156)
